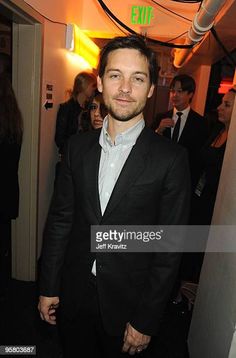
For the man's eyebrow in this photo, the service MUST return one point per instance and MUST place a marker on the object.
(113, 69)
(141, 73)
(134, 73)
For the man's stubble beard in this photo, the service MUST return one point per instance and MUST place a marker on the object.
(125, 117)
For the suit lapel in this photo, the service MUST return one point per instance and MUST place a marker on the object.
(131, 170)
(187, 129)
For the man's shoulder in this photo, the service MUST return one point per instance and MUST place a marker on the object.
(195, 115)
(198, 123)
(80, 144)
(85, 139)
(161, 144)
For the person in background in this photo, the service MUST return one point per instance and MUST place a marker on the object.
(95, 114)
(189, 129)
(204, 196)
(11, 132)
(182, 124)
(5, 64)
(212, 158)
(69, 113)
(110, 304)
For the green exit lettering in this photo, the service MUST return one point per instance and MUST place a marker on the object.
(141, 15)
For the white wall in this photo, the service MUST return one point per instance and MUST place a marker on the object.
(212, 331)
(59, 69)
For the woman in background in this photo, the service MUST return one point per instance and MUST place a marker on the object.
(203, 200)
(11, 131)
(94, 116)
(69, 113)
(212, 159)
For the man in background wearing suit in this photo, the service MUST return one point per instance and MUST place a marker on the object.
(182, 124)
(189, 129)
(112, 303)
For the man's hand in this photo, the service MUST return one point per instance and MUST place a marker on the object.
(134, 341)
(47, 307)
(165, 123)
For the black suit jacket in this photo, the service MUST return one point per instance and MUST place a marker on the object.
(153, 188)
(193, 137)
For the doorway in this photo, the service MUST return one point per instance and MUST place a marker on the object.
(27, 28)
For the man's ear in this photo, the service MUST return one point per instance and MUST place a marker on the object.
(99, 84)
(190, 97)
(150, 93)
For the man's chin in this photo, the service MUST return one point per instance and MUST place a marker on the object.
(125, 117)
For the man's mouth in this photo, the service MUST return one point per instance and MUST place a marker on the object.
(123, 100)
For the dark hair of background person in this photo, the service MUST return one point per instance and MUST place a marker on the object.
(81, 81)
(86, 115)
(135, 42)
(5, 64)
(187, 83)
(11, 123)
(99, 97)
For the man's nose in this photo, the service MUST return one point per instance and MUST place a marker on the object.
(125, 86)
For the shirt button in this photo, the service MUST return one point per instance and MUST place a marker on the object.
(112, 165)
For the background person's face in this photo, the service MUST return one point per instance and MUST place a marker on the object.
(95, 115)
(125, 84)
(179, 98)
(225, 109)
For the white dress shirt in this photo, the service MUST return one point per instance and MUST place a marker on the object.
(113, 158)
(183, 119)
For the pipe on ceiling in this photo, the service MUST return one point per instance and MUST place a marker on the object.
(202, 23)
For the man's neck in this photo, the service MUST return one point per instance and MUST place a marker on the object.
(181, 109)
(116, 127)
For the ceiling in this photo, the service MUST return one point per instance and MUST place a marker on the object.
(167, 24)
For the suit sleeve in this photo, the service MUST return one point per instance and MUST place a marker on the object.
(57, 230)
(174, 210)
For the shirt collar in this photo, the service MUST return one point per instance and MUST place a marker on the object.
(184, 111)
(127, 138)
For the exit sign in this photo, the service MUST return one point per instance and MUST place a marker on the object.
(141, 15)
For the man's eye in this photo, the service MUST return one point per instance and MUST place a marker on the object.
(176, 91)
(114, 76)
(138, 79)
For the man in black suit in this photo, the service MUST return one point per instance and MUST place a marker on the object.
(189, 129)
(112, 303)
(182, 124)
